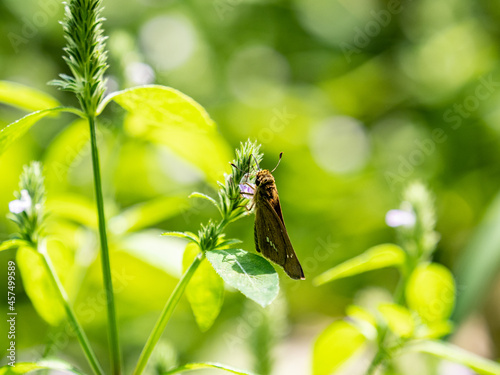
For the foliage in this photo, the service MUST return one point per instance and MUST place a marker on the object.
(421, 307)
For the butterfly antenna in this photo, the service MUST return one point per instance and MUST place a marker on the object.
(281, 154)
(256, 162)
(234, 165)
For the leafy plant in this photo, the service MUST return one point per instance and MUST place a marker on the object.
(153, 113)
(418, 315)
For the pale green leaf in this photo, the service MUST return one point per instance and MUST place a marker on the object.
(453, 353)
(205, 291)
(204, 196)
(25, 97)
(377, 257)
(26, 367)
(39, 287)
(17, 129)
(430, 292)
(334, 346)
(479, 265)
(12, 244)
(398, 319)
(63, 152)
(200, 366)
(168, 117)
(203, 148)
(251, 274)
(186, 235)
(161, 106)
(434, 330)
(147, 214)
(75, 208)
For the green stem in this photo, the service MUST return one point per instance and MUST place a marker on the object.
(80, 334)
(166, 314)
(106, 266)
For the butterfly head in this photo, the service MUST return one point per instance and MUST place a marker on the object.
(264, 177)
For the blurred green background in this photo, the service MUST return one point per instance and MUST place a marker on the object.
(361, 96)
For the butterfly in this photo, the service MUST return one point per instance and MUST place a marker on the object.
(270, 234)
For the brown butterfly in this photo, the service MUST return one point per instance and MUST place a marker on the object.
(271, 237)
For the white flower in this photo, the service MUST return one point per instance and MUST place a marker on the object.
(19, 205)
(398, 218)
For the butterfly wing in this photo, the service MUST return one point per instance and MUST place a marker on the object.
(271, 238)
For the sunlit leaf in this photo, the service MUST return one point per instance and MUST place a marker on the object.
(434, 330)
(206, 149)
(251, 274)
(431, 292)
(204, 196)
(453, 353)
(398, 319)
(200, 366)
(26, 367)
(17, 129)
(205, 291)
(72, 207)
(39, 287)
(187, 235)
(166, 116)
(11, 244)
(64, 150)
(480, 262)
(25, 97)
(160, 105)
(377, 257)
(147, 214)
(334, 346)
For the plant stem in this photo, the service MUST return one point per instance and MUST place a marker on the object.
(106, 266)
(166, 314)
(80, 334)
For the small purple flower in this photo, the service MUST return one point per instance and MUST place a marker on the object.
(246, 189)
(19, 205)
(398, 218)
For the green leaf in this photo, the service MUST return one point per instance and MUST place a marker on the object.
(25, 97)
(160, 106)
(72, 207)
(478, 268)
(186, 235)
(453, 353)
(434, 330)
(251, 274)
(225, 244)
(165, 116)
(200, 366)
(62, 153)
(334, 346)
(430, 292)
(38, 286)
(147, 214)
(204, 196)
(11, 244)
(25, 367)
(377, 257)
(205, 291)
(398, 319)
(17, 129)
